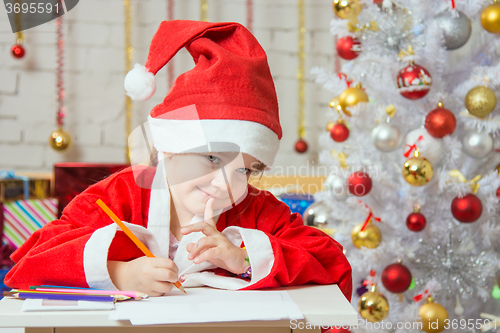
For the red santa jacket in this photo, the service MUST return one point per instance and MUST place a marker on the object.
(74, 250)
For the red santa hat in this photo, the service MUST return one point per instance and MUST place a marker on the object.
(229, 95)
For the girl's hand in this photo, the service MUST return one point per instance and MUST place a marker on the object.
(153, 276)
(215, 247)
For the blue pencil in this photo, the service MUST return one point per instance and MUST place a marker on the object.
(64, 297)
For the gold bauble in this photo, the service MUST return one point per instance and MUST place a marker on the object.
(480, 101)
(370, 237)
(373, 306)
(335, 104)
(433, 316)
(330, 125)
(490, 18)
(498, 171)
(346, 9)
(417, 171)
(352, 96)
(60, 140)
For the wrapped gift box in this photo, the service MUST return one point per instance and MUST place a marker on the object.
(71, 179)
(297, 202)
(15, 187)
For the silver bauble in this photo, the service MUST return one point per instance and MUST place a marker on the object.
(456, 30)
(335, 187)
(317, 215)
(477, 144)
(386, 137)
(429, 147)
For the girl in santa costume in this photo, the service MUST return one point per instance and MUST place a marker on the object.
(194, 208)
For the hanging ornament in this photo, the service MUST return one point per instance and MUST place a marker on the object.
(335, 104)
(386, 137)
(346, 9)
(477, 144)
(329, 126)
(456, 28)
(459, 309)
(490, 18)
(359, 183)
(428, 146)
(417, 170)
(317, 215)
(414, 81)
(336, 187)
(466, 209)
(348, 48)
(396, 278)
(300, 146)
(440, 122)
(60, 140)
(373, 306)
(339, 131)
(352, 96)
(370, 237)
(480, 101)
(434, 316)
(416, 221)
(18, 50)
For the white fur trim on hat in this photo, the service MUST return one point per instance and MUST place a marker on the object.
(177, 136)
(139, 83)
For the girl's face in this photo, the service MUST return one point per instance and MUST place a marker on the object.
(195, 178)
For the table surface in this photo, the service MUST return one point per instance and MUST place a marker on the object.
(320, 304)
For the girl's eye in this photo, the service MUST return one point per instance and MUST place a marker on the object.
(213, 159)
(247, 171)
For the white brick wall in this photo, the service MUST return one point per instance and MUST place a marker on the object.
(94, 63)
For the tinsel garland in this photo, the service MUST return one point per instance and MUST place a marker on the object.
(250, 15)
(61, 94)
(129, 55)
(203, 10)
(170, 65)
(300, 71)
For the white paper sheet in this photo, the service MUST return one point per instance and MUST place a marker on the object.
(56, 305)
(208, 305)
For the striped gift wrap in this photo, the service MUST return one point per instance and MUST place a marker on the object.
(24, 217)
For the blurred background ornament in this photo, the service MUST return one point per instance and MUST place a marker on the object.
(345, 9)
(359, 183)
(339, 131)
(300, 146)
(490, 18)
(416, 221)
(417, 170)
(440, 122)
(329, 126)
(373, 306)
(456, 28)
(370, 237)
(396, 278)
(348, 48)
(477, 144)
(352, 96)
(414, 81)
(466, 209)
(386, 137)
(18, 51)
(428, 146)
(336, 187)
(318, 215)
(433, 316)
(60, 140)
(480, 101)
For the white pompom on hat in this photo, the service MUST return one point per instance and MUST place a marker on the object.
(140, 83)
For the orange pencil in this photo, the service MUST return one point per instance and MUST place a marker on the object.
(131, 235)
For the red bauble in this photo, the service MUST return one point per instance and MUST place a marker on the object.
(396, 278)
(467, 209)
(378, 2)
(339, 132)
(335, 330)
(440, 122)
(18, 51)
(414, 81)
(416, 222)
(359, 183)
(301, 146)
(347, 48)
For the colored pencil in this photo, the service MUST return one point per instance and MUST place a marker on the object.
(115, 294)
(65, 287)
(133, 294)
(63, 297)
(131, 235)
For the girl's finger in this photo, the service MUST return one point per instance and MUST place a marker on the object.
(209, 212)
(202, 245)
(207, 255)
(205, 228)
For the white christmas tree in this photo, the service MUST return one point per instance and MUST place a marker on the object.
(433, 193)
